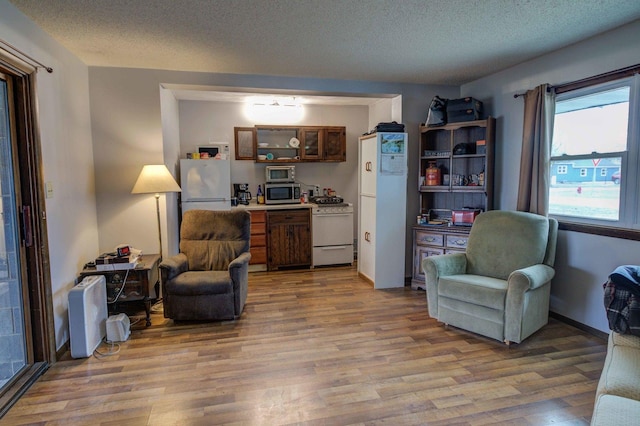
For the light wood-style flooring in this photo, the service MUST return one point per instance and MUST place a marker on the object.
(321, 347)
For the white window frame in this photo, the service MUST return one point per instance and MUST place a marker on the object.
(629, 209)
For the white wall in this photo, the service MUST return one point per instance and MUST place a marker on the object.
(65, 130)
(583, 261)
(171, 154)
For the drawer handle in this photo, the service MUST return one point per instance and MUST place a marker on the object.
(460, 242)
(428, 239)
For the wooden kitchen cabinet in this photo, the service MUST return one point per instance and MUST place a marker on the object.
(323, 144)
(245, 143)
(272, 144)
(288, 238)
(311, 139)
(334, 147)
(258, 243)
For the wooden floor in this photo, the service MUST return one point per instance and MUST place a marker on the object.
(322, 348)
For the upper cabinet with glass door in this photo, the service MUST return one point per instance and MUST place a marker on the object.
(285, 144)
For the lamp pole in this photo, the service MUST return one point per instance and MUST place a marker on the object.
(158, 215)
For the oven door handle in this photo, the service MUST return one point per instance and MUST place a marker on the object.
(332, 214)
(331, 247)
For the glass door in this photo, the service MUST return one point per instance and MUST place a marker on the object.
(13, 342)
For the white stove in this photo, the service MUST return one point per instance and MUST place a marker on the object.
(333, 208)
(332, 231)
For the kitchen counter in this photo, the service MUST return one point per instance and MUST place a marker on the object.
(255, 206)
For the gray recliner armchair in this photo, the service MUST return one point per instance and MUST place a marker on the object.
(208, 279)
(500, 286)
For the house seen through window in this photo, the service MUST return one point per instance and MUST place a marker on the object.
(594, 155)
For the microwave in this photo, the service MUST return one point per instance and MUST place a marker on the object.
(282, 193)
(280, 174)
(218, 150)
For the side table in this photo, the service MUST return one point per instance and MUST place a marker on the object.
(141, 284)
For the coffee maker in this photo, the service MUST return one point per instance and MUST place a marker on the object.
(241, 192)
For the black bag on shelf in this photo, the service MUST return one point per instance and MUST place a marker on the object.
(622, 300)
(464, 109)
(392, 127)
(437, 115)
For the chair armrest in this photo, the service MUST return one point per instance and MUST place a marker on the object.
(438, 266)
(531, 277)
(446, 264)
(239, 262)
(173, 266)
(527, 301)
(239, 272)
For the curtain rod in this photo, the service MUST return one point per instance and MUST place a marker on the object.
(20, 52)
(590, 81)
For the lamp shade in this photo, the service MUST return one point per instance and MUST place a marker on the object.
(154, 179)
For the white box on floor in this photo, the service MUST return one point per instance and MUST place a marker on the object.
(118, 328)
(87, 315)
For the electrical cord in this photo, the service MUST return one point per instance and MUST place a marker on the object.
(114, 348)
(124, 282)
(157, 307)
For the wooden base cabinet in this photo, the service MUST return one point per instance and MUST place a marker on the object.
(288, 238)
(258, 247)
(431, 241)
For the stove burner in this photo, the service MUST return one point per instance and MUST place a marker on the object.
(326, 200)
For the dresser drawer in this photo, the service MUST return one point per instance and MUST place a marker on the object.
(429, 238)
(457, 241)
(420, 254)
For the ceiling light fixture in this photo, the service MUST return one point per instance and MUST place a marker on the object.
(274, 111)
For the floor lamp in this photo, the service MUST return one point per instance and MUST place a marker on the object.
(155, 179)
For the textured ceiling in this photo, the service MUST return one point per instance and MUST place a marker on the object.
(411, 41)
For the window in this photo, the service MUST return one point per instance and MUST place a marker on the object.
(595, 155)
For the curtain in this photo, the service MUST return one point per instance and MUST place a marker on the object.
(533, 187)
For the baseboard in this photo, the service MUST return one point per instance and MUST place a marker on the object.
(580, 326)
(63, 349)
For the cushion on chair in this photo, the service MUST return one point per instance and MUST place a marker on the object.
(483, 291)
(212, 239)
(193, 283)
(492, 251)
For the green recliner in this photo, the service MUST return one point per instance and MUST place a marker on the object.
(500, 286)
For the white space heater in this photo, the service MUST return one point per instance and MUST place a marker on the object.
(87, 315)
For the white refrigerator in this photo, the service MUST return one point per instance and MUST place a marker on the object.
(206, 184)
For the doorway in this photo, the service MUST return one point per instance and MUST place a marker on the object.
(26, 329)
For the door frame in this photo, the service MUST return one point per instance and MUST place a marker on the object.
(39, 329)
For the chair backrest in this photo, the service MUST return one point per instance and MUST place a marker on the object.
(212, 239)
(502, 241)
